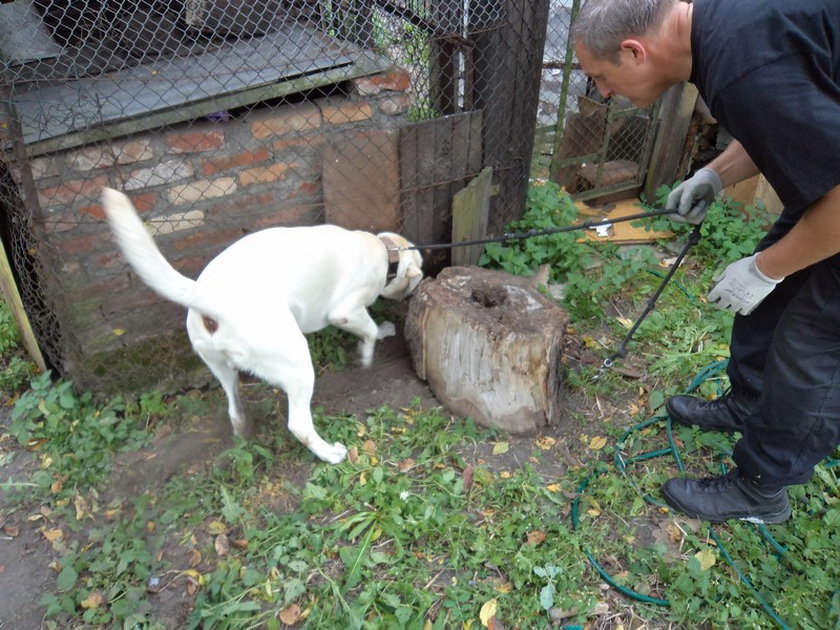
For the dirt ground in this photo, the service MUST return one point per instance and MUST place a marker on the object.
(26, 557)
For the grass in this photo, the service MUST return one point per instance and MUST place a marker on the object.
(433, 522)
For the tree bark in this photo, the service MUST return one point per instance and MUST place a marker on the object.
(489, 345)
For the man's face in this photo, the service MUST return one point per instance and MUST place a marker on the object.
(631, 77)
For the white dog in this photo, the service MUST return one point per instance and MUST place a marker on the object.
(252, 304)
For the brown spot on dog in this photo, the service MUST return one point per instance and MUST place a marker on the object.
(210, 324)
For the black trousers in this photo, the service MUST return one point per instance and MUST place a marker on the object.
(787, 351)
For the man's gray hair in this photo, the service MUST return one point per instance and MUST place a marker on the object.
(601, 25)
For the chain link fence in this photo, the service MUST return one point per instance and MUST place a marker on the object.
(597, 149)
(222, 117)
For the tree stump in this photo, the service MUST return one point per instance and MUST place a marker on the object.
(489, 345)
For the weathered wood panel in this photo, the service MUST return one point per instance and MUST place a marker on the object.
(437, 159)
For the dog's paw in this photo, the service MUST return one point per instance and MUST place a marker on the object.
(386, 329)
(333, 453)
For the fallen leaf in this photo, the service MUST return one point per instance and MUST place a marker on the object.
(535, 537)
(194, 558)
(553, 487)
(222, 544)
(488, 611)
(706, 558)
(241, 543)
(11, 530)
(216, 527)
(52, 534)
(369, 447)
(353, 454)
(626, 322)
(505, 474)
(290, 615)
(546, 443)
(500, 448)
(597, 443)
(406, 464)
(94, 600)
(467, 476)
(494, 624)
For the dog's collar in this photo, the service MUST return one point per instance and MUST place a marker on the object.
(393, 257)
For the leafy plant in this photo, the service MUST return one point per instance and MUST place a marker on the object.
(15, 368)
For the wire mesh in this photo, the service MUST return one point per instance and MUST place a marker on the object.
(594, 147)
(222, 117)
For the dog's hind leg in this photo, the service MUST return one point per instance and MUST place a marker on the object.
(289, 367)
(358, 321)
(229, 378)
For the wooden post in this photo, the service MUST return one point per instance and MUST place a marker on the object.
(675, 118)
(10, 293)
(470, 209)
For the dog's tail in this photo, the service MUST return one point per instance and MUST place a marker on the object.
(145, 258)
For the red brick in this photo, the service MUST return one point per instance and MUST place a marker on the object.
(217, 165)
(108, 154)
(71, 192)
(80, 244)
(395, 80)
(207, 239)
(244, 203)
(192, 141)
(286, 119)
(299, 141)
(340, 113)
(265, 174)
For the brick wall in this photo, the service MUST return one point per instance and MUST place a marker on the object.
(199, 186)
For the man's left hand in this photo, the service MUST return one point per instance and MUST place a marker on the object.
(742, 287)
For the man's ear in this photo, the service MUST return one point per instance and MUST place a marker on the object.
(636, 49)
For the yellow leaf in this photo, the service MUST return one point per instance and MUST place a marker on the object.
(52, 534)
(195, 576)
(214, 528)
(627, 323)
(505, 474)
(597, 443)
(706, 558)
(488, 611)
(500, 447)
(546, 442)
(119, 332)
(94, 600)
(428, 625)
(590, 342)
(553, 487)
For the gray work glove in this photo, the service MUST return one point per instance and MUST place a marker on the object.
(692, 198)
(741, 287)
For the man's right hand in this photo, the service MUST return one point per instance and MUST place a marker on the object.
(692, 198)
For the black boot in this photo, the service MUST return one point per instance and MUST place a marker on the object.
(727, 413)
(731, 496)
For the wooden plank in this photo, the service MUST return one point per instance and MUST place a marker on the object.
(351, 163)
(675, 118)
(437, 157)
(10, 293)
(470, 209)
